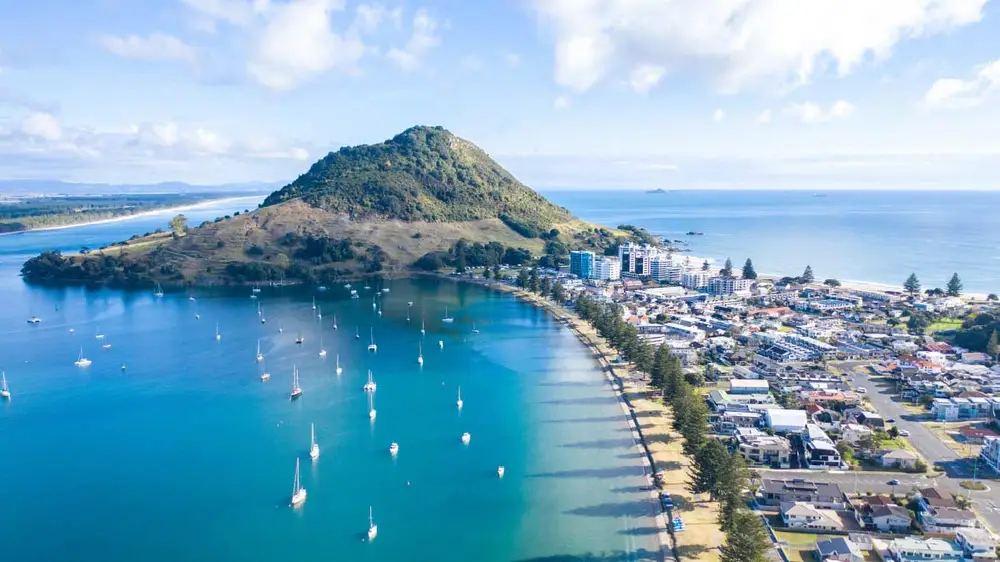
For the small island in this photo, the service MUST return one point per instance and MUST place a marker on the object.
(659, 190)
(423, 200)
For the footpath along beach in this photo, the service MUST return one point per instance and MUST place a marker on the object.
(657, 443)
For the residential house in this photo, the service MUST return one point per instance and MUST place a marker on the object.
(899, 458)
(820, 452)
(976, 434)
(759, 448)
(854, 432)
(822, 494)
(931, 497)
(741, 386)
(976, 544)
(801, 515)
(782, 420)
(975, 358)
(958, 408)
(890, 518)
(947, 520)
(840, 549)
(910, 549)
(731, 420)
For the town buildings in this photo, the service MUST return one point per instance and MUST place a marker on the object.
(581, 264)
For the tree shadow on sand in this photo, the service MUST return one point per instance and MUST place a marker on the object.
(634, 508)
(642, 555)
(612, 472)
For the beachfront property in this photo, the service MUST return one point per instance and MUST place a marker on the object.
(957, 408)
(725, 286)
(820, 494)
(990, 453)
(761, 449)
(748, 386)
(806, 516)
(695, 280)
(841, 549)
(581, 264)
(820, 452)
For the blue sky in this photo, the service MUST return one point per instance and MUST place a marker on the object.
(566, 93)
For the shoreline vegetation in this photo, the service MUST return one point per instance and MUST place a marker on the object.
(105, 210)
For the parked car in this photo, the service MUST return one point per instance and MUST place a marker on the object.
(862, 390)
(894, 482)
(891, 420)
(904, 432)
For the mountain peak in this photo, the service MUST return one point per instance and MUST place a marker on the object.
(422, 174)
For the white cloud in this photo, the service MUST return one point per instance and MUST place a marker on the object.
(425, 37)
(512, 59)
(718, 115)
(157, 46)
(370, 17)
(157, 134)
(473, 63)
(764, 117)
(645, 77)
(953, 93)
(298, 43)
(42, 126)
(235, 12)
(740, 42)
(562, 102)
(810, 112)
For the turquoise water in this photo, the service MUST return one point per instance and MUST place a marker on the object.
(186, 455)
(876, 236)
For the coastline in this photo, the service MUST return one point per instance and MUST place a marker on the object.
(619, 386)
(142, 214)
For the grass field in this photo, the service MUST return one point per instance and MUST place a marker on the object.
(944, 324)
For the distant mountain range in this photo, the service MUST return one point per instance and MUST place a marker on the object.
(22, 188)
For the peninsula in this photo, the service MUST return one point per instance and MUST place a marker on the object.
(420, 199)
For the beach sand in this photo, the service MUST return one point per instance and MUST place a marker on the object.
(154, 212)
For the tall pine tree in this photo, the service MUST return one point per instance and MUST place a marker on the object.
(746, 540)
(748, 271)
(807, 275)
(912, 284)
(708, 463)
(954, 286)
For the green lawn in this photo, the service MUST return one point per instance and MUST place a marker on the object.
(801, 539)
(944, 324)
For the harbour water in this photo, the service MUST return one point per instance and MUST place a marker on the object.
(874, 236)
(187, 455)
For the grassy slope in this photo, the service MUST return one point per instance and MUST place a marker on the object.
(199, 250)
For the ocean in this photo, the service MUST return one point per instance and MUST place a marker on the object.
(186, 455)
(872, 236)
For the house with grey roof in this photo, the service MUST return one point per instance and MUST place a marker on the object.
(839, 549)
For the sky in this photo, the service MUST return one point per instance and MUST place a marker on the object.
(567, 94)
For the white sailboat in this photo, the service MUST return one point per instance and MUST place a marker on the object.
(322, 350)
(4, 391)
(296, 390)
(460, 403)
(447, 319)
(256, 289)
(372, 347)
(466, 437)
(260, 356)
(159, 290)
(357, 333)
(34, 320)
(313, 445)
(265, 375)
(409, 303)
(99, 335)
(299, 339)
(260, 311)
(371, 407)
(373, 304)
(380, 312)
(218, 336)
(370, 385)
(474, 330)
(422, 330)
(280, 329)
(82, 361)
(319, 313)
(420, 354)
(339, 369)
(394, 448)
(500, 471)
(314, 303)
(334, 321)
(372, 527)
(441, 344)
(298, 492)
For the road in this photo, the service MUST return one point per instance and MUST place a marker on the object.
(956, 467)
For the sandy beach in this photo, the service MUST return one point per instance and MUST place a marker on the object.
(154, 212)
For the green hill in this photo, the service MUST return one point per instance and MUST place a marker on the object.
(422, 174)
(423, 199)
